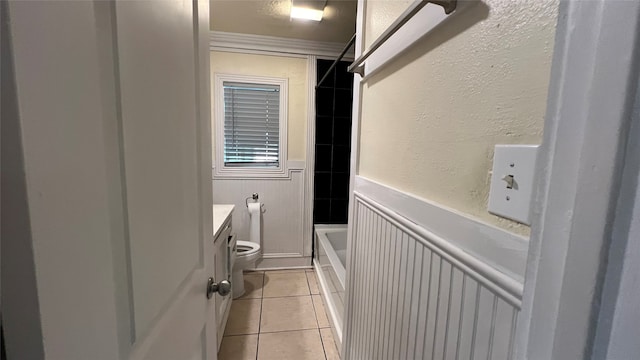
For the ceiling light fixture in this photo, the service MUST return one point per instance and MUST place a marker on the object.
(306, 13)
(308, 9)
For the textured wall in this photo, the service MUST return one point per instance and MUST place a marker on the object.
(431, 118)
(295, 69)
(386, 11)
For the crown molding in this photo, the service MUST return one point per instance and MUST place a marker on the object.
(220, 40)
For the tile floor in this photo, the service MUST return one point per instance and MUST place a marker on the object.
(281, 316)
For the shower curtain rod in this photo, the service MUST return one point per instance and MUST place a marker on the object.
(351, 42)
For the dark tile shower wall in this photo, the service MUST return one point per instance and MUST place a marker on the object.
(333, 144)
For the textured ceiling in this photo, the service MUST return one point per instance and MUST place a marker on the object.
(271, 17)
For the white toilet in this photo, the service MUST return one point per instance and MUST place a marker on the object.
(247, 252)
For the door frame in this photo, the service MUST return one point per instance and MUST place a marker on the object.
(617, 332)
(591, 94)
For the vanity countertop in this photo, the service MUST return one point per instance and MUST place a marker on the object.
(221, 213)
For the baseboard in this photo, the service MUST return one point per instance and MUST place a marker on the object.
(277, 263)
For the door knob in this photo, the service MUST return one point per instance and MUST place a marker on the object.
(223, 287)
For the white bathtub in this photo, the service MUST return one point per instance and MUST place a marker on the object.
(330, 264)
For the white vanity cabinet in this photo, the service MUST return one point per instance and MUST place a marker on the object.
(222, 246)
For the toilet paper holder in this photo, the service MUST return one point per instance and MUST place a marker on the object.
(254, 196)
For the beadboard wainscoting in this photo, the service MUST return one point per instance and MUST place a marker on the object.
(428, 282)
(283, 240)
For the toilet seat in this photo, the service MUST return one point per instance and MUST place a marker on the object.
(246, 248)
(247, 253)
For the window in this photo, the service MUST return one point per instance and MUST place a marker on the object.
(250, 126)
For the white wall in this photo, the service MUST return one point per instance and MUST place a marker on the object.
(284, 241)
(282, 220)
(423, 290)
(431, 118)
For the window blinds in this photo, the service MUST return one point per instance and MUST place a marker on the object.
(251, 124)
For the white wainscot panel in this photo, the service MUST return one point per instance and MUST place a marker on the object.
(282, 217)
(414, 295)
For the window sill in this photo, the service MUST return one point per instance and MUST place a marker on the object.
(283, 172)
(252, 173)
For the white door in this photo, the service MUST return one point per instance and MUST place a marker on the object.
(114, 110)
(165, 179)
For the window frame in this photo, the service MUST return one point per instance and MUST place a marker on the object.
(259, 171)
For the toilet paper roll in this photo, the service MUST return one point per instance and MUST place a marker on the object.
(254, 229)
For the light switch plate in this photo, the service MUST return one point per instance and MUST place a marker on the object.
(519, 162)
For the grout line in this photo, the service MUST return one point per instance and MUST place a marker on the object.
(278, 297)
(315, 312)
(324, 347)
(243, 299)
(233, 335)
(308, 283)
(283, 331)
(257, 345)
(281, 297)
(245, 334)
(306, 276)
(315, 278)
(260, 319)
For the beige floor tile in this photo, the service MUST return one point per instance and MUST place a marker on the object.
(285, 284)
(291, 345)
(244, 317)
(330, 349)
(310, 270)
(321, 314)
(287, 313)
(253, 284)
(313, 283)
(239, 347)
